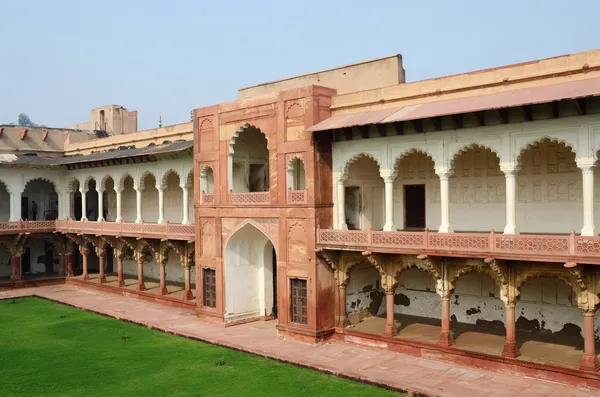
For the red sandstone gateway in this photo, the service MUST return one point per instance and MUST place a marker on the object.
(450, 218)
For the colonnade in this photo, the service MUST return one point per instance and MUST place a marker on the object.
(510, 172)
(508, 279)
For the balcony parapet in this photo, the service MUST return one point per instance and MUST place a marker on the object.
(22, 227)
(250, 198)
(542, 247)
(172, 231)
(296, 196)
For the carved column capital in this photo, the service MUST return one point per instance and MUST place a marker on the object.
(332, 258)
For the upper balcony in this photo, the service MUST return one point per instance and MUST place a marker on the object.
(250, 173)
(540, 247)
(168, 231)
(535, 185)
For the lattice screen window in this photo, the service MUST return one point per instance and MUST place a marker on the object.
(299, 304)
(210, 287)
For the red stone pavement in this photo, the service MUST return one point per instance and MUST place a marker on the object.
(372, 364)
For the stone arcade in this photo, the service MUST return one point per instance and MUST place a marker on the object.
(451, 218)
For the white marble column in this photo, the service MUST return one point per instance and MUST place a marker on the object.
(100, 204)
(15, 205)
(388, 178)
(444, 175)
(186, 215)
(119, 210)
(64, 205)
(161, 203)
(138, 204)
(83, 192)
(510, 174)
(587, 173)
(341, 202)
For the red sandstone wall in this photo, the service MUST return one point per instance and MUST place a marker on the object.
(291, 228)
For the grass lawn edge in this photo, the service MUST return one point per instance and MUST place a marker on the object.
(408, 392)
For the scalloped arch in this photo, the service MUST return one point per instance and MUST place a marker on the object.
(243, 128)
(290, 165)
(5, 185)
(86, 181)
(41, 178)
(204, 170)
(292, 105)
(142, 180)
(348, 163)
(501, 282)
(469, 147)
(121, 184)
(408, 153)
(166, 174)
(546, 138)
(71, 183)
(429, 269)
(567, 278)
(105, 179)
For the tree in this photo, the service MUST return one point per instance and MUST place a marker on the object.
(24, 120)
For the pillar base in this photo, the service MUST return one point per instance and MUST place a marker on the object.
(342, 322)
(163, 291)
(85, 276)
(588, 231)
(187, 295)
(120, 283)
(446, 339)
(510, 230)
(101, 279)
(140, 287)
(390, 330)
(510, 350)
(589, 363)
(389, 228)
(445, 229)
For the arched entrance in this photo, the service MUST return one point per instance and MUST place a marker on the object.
(250, 276)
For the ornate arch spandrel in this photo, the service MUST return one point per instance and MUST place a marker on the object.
(494, 268)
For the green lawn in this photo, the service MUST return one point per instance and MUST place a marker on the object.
(47, 349)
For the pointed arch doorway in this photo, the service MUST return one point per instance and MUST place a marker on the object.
(250, 276)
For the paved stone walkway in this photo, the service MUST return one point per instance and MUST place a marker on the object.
(395, 369)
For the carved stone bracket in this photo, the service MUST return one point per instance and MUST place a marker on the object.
(386, 265)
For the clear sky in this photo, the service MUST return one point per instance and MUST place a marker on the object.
(61, 58)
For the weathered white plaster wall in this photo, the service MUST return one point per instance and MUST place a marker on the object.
(548, 182)
(546, 304)
(4, 203)
(364, 290)
(364, 173)
(248, 274)
(174, 269)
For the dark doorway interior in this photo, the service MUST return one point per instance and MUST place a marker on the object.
(110, 257)
(77, 207)
(24, 208)
(26, 261)
(274, 283)
(414, 206)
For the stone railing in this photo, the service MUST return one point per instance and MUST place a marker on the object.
(173, 231)
(207, 198)
(27, 227)
(296, 196)
(250, 198)
(553, 248)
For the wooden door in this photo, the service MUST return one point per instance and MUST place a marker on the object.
(414, 206)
